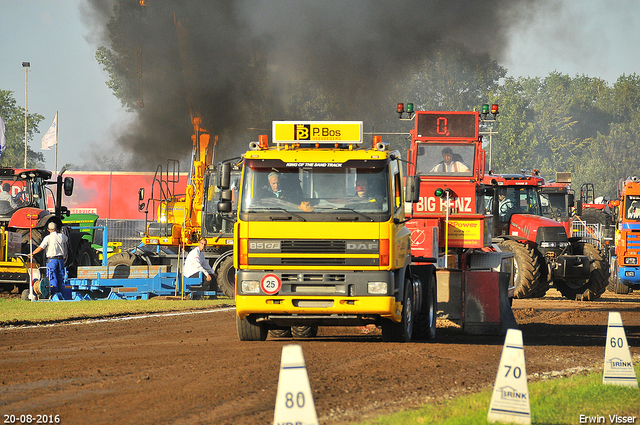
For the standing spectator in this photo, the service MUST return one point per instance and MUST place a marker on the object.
(55, 245)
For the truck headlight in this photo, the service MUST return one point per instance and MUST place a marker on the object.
(378, 288)
(632, 261)
(250, 287)
(547, 244)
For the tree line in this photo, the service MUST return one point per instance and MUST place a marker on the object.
(556, 123)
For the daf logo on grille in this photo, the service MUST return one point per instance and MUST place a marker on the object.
(362, 246)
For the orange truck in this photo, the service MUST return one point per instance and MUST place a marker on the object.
(625, 270)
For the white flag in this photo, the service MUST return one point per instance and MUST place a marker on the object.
(3, 140)
(50, 138)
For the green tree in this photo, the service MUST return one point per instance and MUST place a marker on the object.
(13, 115)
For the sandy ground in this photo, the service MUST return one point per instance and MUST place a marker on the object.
(191, 368)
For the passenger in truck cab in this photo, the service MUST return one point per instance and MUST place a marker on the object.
(450, 163)
(363, 193)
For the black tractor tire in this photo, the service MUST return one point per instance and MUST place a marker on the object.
(527, 277)
(614, 283)
(227, 277)
(605, 220)
(401, 332)
(280, 333)
(124, 258)
(84, 256)
(424, 327)
(300, 332)
(598, 277)
(249, 330)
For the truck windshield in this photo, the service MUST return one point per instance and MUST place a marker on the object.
(445, 159)
(356, 190)
(632, 211)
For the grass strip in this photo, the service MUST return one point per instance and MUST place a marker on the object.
(15, 312)
(570, 400)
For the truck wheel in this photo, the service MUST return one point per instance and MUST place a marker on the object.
(304, 331)
(595, 285)
(249, 330)
(614, 283)
(401, 332)
(227, 277)
(280, 333)
(526, 269)
(425, 321)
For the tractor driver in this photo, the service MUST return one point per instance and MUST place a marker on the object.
(448, 164)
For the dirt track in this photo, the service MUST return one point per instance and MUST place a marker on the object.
(190, 369)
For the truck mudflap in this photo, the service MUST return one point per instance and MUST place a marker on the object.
(333, 308)
(571, 267)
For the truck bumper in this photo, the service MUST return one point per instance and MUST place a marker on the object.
(320, 311)
(629, 276)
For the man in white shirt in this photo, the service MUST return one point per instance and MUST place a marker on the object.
(55, 245)
(196, 263)
(448, 165)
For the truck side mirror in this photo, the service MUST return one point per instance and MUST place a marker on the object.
(579, 207)
(412, 189)
(225, 201)
(570, 200)
(141, 204)
(224, 176)
(68, 186)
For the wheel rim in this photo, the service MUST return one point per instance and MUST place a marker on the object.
(408, 317)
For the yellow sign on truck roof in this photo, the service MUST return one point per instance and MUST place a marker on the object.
(317, 131)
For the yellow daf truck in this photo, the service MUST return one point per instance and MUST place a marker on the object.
(320, 237)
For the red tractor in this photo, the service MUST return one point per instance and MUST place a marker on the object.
(544, 250)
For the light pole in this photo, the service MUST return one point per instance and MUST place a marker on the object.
(26, 66)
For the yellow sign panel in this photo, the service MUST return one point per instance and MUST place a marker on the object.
(317, 131)
(465, 232)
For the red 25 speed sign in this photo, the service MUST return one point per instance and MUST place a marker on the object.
(270, 284)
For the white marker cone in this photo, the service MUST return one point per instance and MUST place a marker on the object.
(510, 399)
(294, 401)
(618, 367)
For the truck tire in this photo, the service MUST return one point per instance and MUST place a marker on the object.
(299, 332)
(401, 332)
(280, 333)
(598, 277)
(424, 327)
(249, 330)
(227, 277)
(526, 269)
(614, 283)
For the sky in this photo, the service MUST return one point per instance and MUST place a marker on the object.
(598, 38)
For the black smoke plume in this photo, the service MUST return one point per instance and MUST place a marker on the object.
(241, 64)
